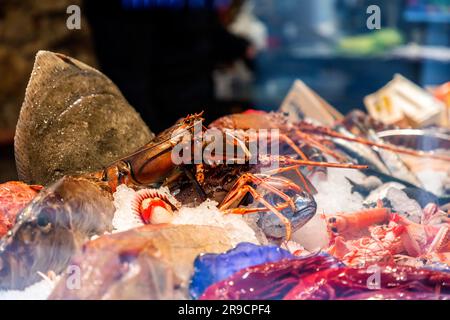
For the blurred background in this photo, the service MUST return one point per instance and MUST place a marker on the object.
(173, 57)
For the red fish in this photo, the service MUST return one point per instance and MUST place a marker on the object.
(14, 196)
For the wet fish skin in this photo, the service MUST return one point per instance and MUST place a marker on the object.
(123, 276)
(149, 262)
(394, 163)
(73, 120)
(52, 228)
(361, 153)
(305, 209)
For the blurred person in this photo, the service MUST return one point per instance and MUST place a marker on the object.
(162, 54)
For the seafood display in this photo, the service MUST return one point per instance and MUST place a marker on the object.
(255, 205)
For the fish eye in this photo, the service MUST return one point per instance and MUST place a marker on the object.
(43, 221)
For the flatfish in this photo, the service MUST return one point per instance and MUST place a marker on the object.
(73, 120)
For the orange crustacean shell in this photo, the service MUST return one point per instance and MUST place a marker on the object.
(14, 196)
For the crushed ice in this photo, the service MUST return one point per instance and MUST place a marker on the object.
(432, 180)
(38, 291)
(124, 218)
(206, 214)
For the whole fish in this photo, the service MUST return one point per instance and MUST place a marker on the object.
(149, 262)
(52, 228)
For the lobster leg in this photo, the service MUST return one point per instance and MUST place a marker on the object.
(272, 184)
(243, 211)
(245, 189)
(282, 137)
(296, 170)
(286, 161)
(310, 140)
(293, 146)
(302, 155)
(262, 182)
(325, 131)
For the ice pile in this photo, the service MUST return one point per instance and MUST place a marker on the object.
(206, 214)
(38, 291)
(333, 195)
(432, 180)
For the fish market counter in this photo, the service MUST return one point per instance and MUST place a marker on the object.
(255, 205)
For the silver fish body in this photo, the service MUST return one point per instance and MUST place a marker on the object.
(52, 228)
(394, 163)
